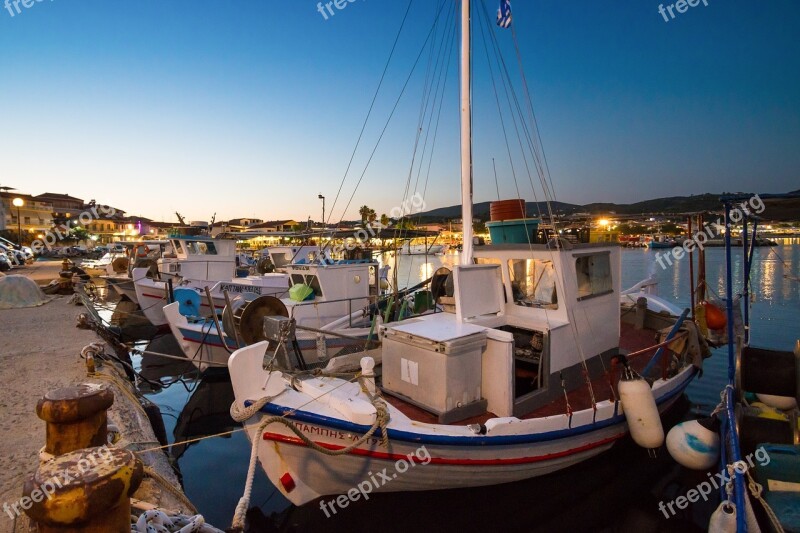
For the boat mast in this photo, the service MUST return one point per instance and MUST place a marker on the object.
(466, 133)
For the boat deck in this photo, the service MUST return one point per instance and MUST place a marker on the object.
(631, 340)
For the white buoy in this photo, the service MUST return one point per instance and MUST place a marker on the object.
(784, 403)
(723, 520)
(693, 445)
(641, 412)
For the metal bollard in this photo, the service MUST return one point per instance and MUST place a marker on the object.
(76, 417)
(84, 491)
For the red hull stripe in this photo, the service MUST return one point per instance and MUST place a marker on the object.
(444, 461)
(153, 296)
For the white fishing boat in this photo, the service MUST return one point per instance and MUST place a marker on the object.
(519, 377)
(335, 299)
(101, 266)
(135, 253)
(194, 263)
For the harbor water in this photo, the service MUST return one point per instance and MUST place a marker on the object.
(618, 491)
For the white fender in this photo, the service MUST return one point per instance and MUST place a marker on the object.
(641, 412)
(723, 520)
(784, 403)
(693, 446)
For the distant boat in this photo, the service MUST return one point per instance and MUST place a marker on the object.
(422, 249)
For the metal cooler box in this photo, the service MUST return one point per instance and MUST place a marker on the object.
(436, 366)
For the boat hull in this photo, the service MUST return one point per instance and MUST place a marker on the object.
(443, 457)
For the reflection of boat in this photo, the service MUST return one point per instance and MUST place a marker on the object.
(511, 382)
(154, 368)
(206, 413)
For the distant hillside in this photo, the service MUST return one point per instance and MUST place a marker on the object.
(481, 210)
(672, 204)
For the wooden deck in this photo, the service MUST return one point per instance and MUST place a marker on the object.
(631, 340)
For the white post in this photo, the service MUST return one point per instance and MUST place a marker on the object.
(466, 133)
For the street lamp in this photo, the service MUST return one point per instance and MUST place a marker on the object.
(323, 208)
(18, 202)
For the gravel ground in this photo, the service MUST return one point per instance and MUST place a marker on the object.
(40, 351)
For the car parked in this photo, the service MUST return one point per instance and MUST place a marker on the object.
(5, 262)
(17, 257)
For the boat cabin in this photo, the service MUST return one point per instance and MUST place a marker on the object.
(338, 290)
(199, 258)
(531, 316)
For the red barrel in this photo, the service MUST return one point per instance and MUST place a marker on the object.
(507, 210)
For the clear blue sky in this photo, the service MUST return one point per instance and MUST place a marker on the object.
(252, 107)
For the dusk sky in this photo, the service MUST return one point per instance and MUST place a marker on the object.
(252, 108)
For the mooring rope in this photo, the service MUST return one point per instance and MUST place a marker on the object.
(241, 414)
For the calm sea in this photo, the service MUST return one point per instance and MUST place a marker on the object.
(618, 491)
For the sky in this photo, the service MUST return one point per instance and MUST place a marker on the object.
(252, 108)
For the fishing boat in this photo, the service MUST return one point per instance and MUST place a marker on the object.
(194, 263)
(530, 369)
(758, 443)
(333, 306)
(101, 266)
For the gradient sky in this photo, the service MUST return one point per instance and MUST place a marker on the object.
(253, 107)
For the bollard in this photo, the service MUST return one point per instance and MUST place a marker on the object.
(76, 417)
(84, 491)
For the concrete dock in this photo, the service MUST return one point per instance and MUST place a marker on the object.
(40, 352)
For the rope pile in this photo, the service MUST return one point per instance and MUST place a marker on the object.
(156, 521)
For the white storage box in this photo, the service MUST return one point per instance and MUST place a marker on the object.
(433, 364)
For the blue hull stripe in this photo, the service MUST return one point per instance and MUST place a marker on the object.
(449, 440)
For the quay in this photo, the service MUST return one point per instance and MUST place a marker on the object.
(41, 352)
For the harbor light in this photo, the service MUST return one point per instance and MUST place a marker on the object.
(603, 222)
(18, 202)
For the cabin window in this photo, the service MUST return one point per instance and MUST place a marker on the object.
(201, 248)
(533, 283)
(594, 275)
(310, 280)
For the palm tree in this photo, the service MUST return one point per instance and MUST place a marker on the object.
(366, 213)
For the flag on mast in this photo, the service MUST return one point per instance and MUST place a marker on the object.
(504, 14)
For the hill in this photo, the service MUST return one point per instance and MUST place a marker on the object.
(671, 204)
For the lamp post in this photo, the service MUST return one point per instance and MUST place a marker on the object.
(323, 208)
(18, 202)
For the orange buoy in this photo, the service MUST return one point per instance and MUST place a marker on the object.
(715, 318)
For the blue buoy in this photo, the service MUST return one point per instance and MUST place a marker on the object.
(188, 302)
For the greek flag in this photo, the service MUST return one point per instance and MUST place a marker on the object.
(504, 14)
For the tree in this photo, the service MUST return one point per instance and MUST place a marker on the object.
(367, 213)
(384, 220)
(80, 234)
